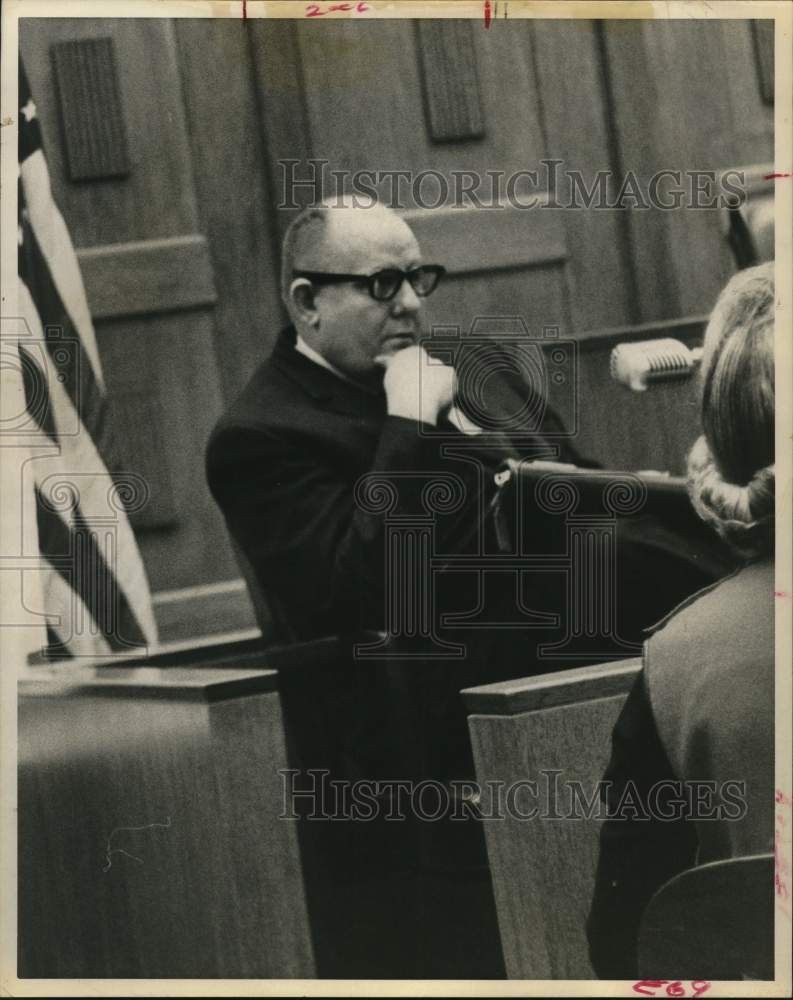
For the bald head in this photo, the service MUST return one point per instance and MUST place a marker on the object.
(325, 250)
(342, 236)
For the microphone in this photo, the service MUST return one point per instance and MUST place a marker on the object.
(636, 365)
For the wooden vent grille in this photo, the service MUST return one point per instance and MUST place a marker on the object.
(452, 99)
(86, 82)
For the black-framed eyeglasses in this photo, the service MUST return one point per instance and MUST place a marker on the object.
(384, 285)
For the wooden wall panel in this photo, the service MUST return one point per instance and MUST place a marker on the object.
(753, 120)
(466, 241)
(147, 276)
(364, 101)
(763, 32)
(278, 84)
(223, 609)
(501, 263)
(675, 106)
(540, 299)
(576, 127)
(237, 209)
(144, 449)
(172, 358)
(450, 81)
(92, 115)
(158, 198)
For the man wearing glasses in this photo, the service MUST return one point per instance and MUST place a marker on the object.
(339, 397)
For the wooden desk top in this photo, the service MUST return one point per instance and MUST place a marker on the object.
(566, 687)
(186, 683)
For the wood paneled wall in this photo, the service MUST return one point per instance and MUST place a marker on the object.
(685, 96)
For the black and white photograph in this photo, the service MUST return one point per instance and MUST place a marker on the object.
(395, 594)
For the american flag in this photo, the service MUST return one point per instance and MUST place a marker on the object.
(95, 592)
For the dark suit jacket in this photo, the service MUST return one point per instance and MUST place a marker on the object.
(701, 711)
(283, 464)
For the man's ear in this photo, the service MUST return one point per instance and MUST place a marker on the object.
(303, 298)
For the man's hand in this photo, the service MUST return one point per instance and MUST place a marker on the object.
(416, 386)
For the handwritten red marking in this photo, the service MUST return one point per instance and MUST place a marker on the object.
(488, 14)
(782, 593)
(674, 988)
(315, 9)
(244, 10)
(647, 987)
(773, 177)
(781, 865)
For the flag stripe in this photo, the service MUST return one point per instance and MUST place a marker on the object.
(56, 248)
(92, 483)
(74, 554)
(65, 606)
(56, 647)
(65, 348)
(37, 396)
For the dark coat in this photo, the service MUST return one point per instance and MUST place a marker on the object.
(701, 711)
(710, 677)
(283, 464)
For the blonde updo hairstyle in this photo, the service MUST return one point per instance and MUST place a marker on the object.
(731, 467)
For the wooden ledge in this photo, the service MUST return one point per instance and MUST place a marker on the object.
(185, 683)
(565, 687)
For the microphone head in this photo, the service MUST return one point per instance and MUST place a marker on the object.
(636, 365)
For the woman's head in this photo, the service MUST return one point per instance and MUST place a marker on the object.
(738, 376)
(731, 469)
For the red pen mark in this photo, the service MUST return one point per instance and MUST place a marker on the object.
(488, 14)
(316, 10)
(773, 177)
(244, 10)
(782, 593)
(674, 988)
(781, 865)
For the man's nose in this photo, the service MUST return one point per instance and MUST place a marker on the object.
(406, 300)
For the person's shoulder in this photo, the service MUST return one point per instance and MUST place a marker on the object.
(261, 398)
(254, 403)
(248, 425)
(730, 620)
